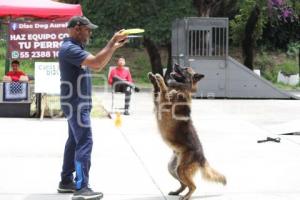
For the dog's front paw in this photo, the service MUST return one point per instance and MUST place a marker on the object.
(159, 77)
(152, 78)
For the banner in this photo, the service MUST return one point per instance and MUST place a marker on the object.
(47, 77)
(36, 40)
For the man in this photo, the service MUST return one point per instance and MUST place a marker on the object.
(120, 79)
(15, 74)
(75, 64)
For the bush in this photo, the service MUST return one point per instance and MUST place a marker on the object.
(141, 68)
(271, 75)
(272, 62)
(2, 49)
(283, 26)
(288, 68)
(266, 64)
(293, 49)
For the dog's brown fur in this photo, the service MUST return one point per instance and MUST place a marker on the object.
(172, 108)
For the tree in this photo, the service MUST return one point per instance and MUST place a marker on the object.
(274, 21)
(283, 25)
(249, 41)
(216, 8)
(247, 27)
(155, 16)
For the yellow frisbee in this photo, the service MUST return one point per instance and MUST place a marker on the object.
(133, 31)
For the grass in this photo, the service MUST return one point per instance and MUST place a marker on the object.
(270, 63)
(287, 87)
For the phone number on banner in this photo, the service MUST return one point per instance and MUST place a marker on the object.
(34, 54)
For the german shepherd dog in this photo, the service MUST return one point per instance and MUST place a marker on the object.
(173, 113)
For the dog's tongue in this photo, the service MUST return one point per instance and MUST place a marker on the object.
(176, 74)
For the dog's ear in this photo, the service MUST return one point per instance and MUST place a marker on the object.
(197, 77)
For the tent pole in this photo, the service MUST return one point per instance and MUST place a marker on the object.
(7, 46)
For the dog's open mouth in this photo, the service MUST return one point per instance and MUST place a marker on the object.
(177, 77)
(177, 74)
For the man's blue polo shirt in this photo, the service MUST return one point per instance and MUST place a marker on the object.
(76, 83)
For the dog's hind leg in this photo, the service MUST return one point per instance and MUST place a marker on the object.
(179, 190)
(186, 174)
(172, 167)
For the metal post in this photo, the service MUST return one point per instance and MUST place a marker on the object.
(7, 46)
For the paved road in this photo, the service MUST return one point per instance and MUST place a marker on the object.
(130, 163)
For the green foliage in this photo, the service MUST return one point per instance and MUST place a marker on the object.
(237, 25)
(283, 86)
(2, 49)
(283, 26)
(288, 68)
(27, 66)
(266, 64)
(270, 63)
(136, 59)
(270, 75)
(140, 69)
(293, 49)
(2, 57)
(154, 16)
(296, 6)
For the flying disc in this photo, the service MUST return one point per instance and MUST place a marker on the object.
(134, 36)
(133, 31)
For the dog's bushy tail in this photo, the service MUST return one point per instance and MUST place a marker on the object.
(210, 174)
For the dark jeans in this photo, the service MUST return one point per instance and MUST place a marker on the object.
(78, 149)
(125, 87)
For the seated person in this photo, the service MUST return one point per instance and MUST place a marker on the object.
(15, 74)
(120, 79)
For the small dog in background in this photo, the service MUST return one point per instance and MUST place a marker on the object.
(173, 114)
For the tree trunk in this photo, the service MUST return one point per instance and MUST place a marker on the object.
(249, 41)
(154, 56)
(203, 7)
(169, 64)
(216, 8)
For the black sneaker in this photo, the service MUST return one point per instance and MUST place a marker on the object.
(66, 188)
(126, 112)
(136, 89)
(86, 194)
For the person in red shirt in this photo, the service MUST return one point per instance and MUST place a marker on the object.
(121, 81)
(15, 74)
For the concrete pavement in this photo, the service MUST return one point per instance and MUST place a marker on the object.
(130, 163)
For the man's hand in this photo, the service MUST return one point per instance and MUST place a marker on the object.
(103, 56)
(7, 79)
(119, 39)
(23, 78)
